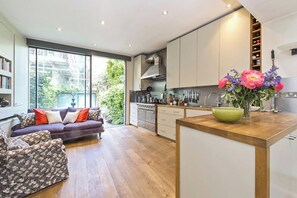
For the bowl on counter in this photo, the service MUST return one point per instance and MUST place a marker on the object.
(227, 114)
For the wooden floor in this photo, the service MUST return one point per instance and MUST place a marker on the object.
(127, 162)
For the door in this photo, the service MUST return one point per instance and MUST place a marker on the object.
(188, 60)
(235, 42)
(208, 54)
(280, 169)
(172, 70)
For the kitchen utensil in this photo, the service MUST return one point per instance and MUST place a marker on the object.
(149, 89)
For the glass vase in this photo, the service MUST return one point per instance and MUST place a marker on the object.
(246, 110)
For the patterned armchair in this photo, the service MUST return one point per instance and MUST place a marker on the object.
(26, 170)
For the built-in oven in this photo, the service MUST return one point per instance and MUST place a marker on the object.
(147, 116)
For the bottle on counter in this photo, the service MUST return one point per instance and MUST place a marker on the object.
(170, 99)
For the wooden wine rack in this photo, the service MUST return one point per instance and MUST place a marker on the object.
(256, 44)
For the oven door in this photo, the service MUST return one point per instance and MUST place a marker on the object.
(141, 114)
(150, 116)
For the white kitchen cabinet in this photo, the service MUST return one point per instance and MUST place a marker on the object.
(140, 66)
(166, 120)
(283, 168)
(208, 54)
(188, 60)
(193, 112)
(133, 113)
(172, 71)
(234, 42)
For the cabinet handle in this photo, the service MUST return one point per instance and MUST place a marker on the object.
(291, 137)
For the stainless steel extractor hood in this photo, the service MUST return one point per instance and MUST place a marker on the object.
(156, 71)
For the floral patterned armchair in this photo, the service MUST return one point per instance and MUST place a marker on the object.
(30, 168)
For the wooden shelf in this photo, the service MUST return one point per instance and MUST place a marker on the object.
(255, 52)
(258, 30)
(256, 65)
(257, 37)
(257, 23)
(257, 44)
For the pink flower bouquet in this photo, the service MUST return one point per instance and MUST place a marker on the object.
(249, 87)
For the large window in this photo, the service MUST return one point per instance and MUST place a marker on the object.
(58, 79)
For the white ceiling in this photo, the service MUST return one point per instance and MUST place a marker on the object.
(140, 23)
(267, 10)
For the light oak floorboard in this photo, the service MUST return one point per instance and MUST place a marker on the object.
(127, 162)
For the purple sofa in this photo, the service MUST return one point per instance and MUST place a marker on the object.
(63, 131)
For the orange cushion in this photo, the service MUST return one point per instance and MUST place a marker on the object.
(40, 116)
(83, 115)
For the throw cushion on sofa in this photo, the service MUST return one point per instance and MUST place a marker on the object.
(93, 114)
(83, 114)
(40, 116)
(26, 119)
(53, 117)
(70, 117)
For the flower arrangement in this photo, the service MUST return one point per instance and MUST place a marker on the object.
(251, 86)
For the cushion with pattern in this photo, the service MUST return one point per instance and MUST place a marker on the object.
(26, 119)
(93, 114)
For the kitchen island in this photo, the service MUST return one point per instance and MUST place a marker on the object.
(250, 158)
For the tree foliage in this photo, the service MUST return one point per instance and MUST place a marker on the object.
(110, 91)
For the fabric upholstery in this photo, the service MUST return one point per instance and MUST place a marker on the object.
(53, 117)
(70, 117)
(40, 116)
(28, 170)
(16, 144)
(26, 119)
(53, 128)
(82, 125)
(83, 115)
(93, 114)
(63, 112)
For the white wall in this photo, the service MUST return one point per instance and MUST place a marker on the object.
(276, 33)
(129, 87)
(19, 51)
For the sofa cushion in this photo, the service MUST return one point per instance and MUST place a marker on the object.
(40, 117)
(89, 124)
(53, 128)
(93, 114)
(82, 116)
(63, 112)
(53, 117)
(26, 119)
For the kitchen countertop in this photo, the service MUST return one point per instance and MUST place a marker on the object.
(185, 107)
(263, 129)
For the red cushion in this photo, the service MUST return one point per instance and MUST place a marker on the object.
(83, 115)
(40, 116)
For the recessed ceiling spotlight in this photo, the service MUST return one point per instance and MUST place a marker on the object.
(228, 5)
(59, 29)
(165, 12)
(95, 44)
(130, 45)
(102, 22)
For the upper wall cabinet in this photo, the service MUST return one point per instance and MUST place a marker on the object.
(140, 66)
(172, 72)
(234, 42)
(208, 54)
(6, 42)
(188, 60)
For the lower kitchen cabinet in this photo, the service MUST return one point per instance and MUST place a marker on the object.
(166, 121)
(283, 167)
(193, 112)
(133, 113)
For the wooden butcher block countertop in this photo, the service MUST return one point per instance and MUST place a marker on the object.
(263, 129)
